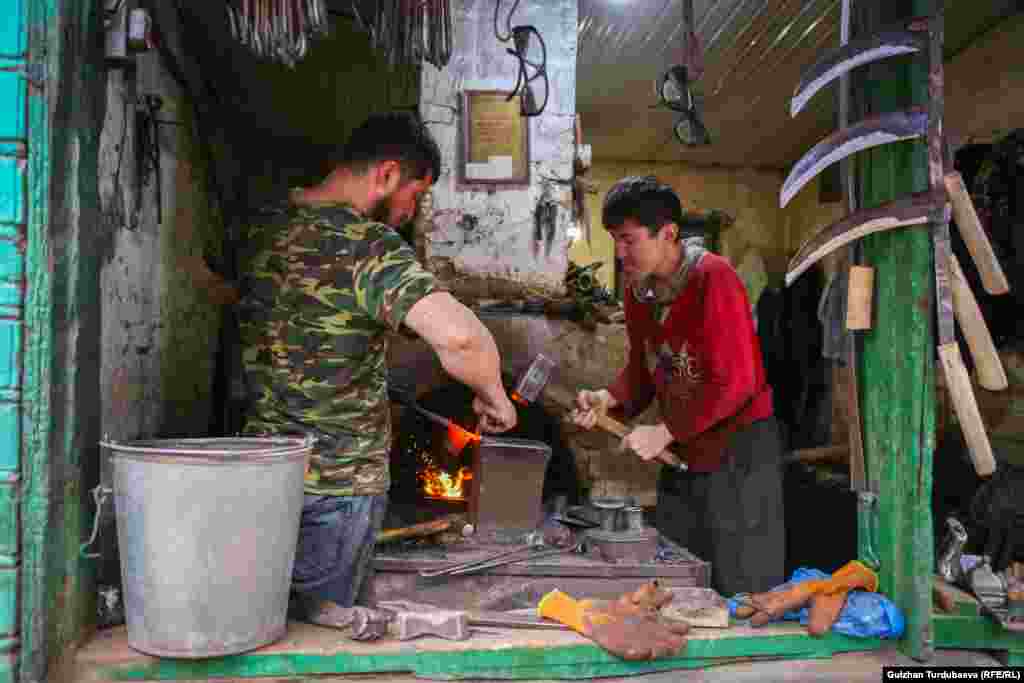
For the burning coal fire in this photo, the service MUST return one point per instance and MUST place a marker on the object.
(438, 483)
(436, 480)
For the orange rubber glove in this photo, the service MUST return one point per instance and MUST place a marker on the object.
(627, 628)
(765, 607)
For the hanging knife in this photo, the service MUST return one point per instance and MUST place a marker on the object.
(957, 380)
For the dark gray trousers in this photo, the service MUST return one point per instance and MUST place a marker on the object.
(732, 518)
(334, 557)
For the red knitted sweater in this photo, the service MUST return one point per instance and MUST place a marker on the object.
(700, 355)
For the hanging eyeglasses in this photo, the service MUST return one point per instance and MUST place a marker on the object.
(674, 92)
(674, 88)
(531, 52)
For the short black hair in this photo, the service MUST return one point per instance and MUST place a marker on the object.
(393, 136)
(646, 200)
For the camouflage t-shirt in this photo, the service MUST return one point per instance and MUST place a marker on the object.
(325, 289)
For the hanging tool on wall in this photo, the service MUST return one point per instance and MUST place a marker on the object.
(409, 32)
(580, 188)
(147, 160)
(277, 29)
(545, 222)
(926, 207)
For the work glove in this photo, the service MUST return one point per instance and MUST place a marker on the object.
(997, 516)
(591, 404)
(765, 607)
(629, 627)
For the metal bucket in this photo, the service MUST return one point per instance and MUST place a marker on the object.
(207, 530)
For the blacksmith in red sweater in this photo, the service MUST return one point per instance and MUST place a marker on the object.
(692, 345)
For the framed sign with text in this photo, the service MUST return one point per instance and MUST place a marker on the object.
(495, 139)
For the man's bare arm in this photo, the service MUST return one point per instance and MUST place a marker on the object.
(466, 349)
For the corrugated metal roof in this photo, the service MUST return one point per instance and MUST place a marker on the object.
(754, 51)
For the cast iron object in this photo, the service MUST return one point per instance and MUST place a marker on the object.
(632, 518)
(870, 132)
(615, 547)
(608, 511)
(505, 491)
(865, 50)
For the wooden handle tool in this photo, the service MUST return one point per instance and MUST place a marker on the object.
(991, 374)
(608, 424)
(992, 276)
(958, 383)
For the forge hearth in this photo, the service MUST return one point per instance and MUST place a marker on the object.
(501, 483)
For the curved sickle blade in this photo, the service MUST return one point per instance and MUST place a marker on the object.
(911, 210)
(870, 132)
(846, 58)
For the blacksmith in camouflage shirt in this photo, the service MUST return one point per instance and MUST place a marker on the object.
(328, 281)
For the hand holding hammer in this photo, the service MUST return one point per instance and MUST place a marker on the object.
(590, 409)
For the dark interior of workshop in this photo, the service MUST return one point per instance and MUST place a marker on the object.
(192, 116)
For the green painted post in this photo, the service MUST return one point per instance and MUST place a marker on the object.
(897, 365)
(14, 78)
(40, 17)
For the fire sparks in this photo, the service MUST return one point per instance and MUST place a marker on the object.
(438, 483)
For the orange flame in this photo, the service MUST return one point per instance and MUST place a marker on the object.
(438, 483)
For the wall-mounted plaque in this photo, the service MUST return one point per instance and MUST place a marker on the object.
(495, 139)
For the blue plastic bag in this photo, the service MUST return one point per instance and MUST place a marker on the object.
(865, 614)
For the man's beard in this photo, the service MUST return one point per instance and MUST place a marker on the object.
(381, 211)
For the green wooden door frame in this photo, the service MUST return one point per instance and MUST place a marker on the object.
(15, 81)
(59, 392)
(36, 356)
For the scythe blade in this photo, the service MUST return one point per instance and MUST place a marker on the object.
(911, 210)
(857, 52)
(870, 132)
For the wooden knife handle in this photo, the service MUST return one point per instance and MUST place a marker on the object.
(992, 276)
(991, 374)
(958, 383)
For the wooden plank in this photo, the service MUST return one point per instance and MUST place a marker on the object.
(897, 361)
(975, 633)
(492, 653)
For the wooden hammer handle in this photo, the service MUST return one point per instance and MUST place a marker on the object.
(992, 276)
(608, 424)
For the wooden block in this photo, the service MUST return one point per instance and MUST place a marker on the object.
(860, 294)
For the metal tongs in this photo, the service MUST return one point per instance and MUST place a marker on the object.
(534, 549)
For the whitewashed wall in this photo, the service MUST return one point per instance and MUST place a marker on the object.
(490, 232)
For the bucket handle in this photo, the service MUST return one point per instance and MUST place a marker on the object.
(100, 494)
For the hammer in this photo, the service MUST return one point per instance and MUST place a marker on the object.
(534, 381)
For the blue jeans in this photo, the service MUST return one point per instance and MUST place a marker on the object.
(334, 557)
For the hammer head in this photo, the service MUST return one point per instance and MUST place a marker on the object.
(533, 381)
